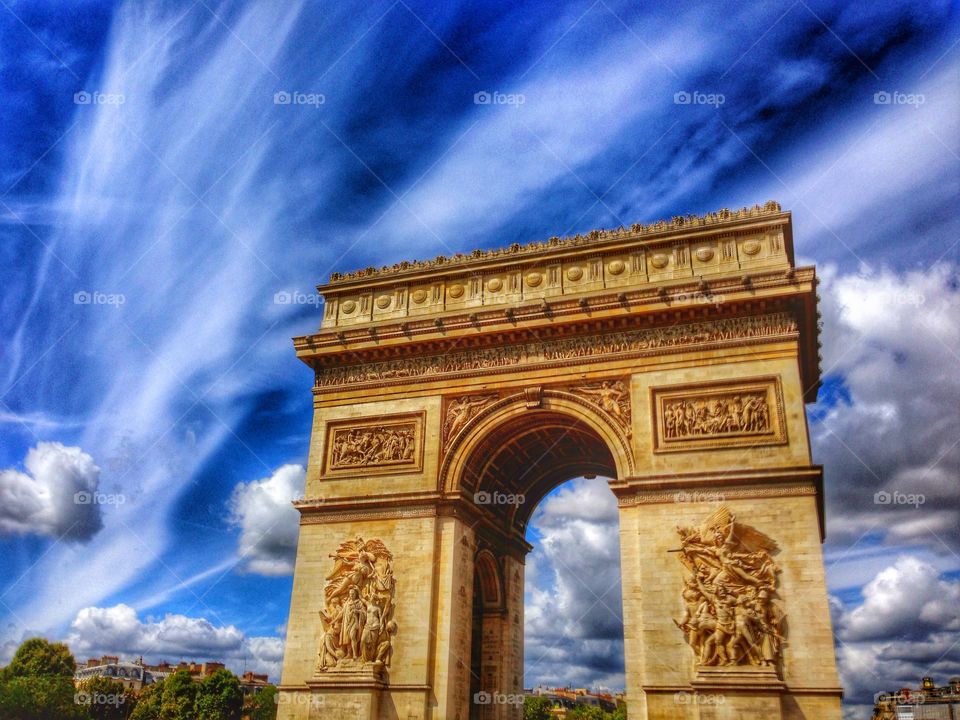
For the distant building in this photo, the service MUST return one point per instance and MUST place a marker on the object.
(133, 675)
(927, 703)
(253, 683)
(137, 674)
(566, 699)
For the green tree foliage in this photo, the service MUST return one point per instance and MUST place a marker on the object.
(38, 684)
(149, 702)
(179, 697)
(106, 699)
(536, 708)
(37, 656)
(219, 697)
(263, 705)
(47, 697)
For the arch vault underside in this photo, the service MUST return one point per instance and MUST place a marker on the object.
(450, 396)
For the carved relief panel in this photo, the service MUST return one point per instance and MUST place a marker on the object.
(718, 415)
(358, 612)
(383, 444)
(731, 614)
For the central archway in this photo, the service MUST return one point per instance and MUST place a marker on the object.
(506, 460)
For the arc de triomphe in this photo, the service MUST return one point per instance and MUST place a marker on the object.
(451, 395)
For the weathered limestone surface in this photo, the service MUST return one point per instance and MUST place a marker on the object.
(452, 395)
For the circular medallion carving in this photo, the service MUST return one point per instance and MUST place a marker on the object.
(534, 279)
(348, 307)
(751, 247)
(383, 302)
(418, 296)
(704, 254)
(455, 291)
(659, 260)
(616, 267)
(574, 274)
(495, 285)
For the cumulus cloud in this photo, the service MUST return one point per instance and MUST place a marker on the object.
(55, 495)
(888, 437)
(269, 524)
(574, 617)
(905, 629)
(118, 630)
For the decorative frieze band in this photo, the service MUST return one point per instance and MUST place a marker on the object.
(715, 495)
(547, 353)
(325, 518)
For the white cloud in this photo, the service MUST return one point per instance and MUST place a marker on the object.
(118, 630)
(55, 496)
(269, 523)
(905, 629)
(573, 614)
(894, 341)
(906, 600)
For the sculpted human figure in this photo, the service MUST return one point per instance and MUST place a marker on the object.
(371, 633)
(354, 618)
(608, 397)
(460, 412)
(330, 652)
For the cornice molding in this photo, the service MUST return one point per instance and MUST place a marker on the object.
(724, 220)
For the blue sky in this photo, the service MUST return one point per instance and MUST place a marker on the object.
(154, 200)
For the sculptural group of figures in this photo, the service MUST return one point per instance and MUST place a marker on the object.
(731, 616)
(561, 349)
(740, 413)
(358, 624)
(373, 446)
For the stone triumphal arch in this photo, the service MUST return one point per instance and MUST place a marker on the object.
(451, 395)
